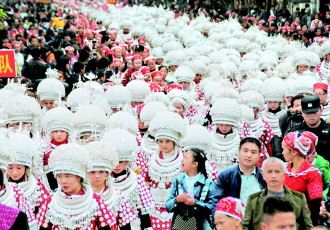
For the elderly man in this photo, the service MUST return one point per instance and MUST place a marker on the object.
(274, 173)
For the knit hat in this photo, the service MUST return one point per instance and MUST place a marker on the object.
(321, 85)
(273, 89)
(59, 118)
(150, 110)
(124, 142)
(226, 111)
(89, 120)
(179, 96)
(252, 99)
(168, 125)
(118, 96)
(21, 108)
(304, 143)
(50, 89)
(232, 207)
(184, 73)
(104, 156)
(123, 120)
(197, 136)
(138, 89)
(70, 159)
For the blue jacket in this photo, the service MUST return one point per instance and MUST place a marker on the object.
(229, 184)
(202, 207)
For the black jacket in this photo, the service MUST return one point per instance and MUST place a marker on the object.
(34, 70)
(323, 133)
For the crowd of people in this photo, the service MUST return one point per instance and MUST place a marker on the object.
(132, 117)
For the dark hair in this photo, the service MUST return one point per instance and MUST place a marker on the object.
(84, 56)
(103, 63)
(297, 97)
(78, 66)
(250, 140)
(199, 157)
(105, 38)
(162, 66)
(30, 40)
(35, 52)
(274, 205)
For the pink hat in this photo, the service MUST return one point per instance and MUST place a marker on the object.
(69, 48)
(174, 86)
(129, 41)
(232, 207)
(148, 59)
(142, 39)
(118, 61)
(155, 87)
(128, 56)
(156, 74)
(124, 46)
(137, 57)
(144, 70)
(137, 75)
(321, 85)
(107, 85)
(304, 143)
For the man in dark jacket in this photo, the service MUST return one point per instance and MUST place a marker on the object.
(243, 179)
(311, 112)
(35, 69)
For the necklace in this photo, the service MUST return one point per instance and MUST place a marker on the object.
(72, 212)
(224, 149)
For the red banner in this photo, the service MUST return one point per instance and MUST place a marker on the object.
(111, 1)
(44, 1)
(7, 63)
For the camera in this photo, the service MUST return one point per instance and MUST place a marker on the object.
(297, 117)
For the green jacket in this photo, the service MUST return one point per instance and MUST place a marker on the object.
(253, 210)
(324, 166)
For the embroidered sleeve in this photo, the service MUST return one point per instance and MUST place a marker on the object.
(314, 185)
(23, 204)
(141, 163)
(106, 217)
(145, 196)
(41, 216)
(211, 170)
(126, 213)
(44, 194)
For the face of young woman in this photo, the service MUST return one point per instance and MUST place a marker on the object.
(49, 104)
(188, 163)
(137, 64)
(287, 152)
(120, 167)
(224, 128)
(273, 105)
(178, 108)
(69, 183)
(59, 135)
(97, 178)
(302, 68)
(185, 84)
(165, 145)
(16, 171)
(224, 222)
(25, 125)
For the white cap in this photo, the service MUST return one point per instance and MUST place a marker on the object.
(150, 110)
(118, 96)
(50, 89)
(139, 90)
(226, 111)
(168, 125)
(197, 136)
(59, 118)
(273, 89)
(70, 159)
(123, 120)
(252, 99)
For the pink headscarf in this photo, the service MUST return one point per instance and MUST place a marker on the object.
(304, 143)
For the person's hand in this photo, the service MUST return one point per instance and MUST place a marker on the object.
(181, 197)
(190, 200)
(323, 210)
(294, 109)
(286, 101)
